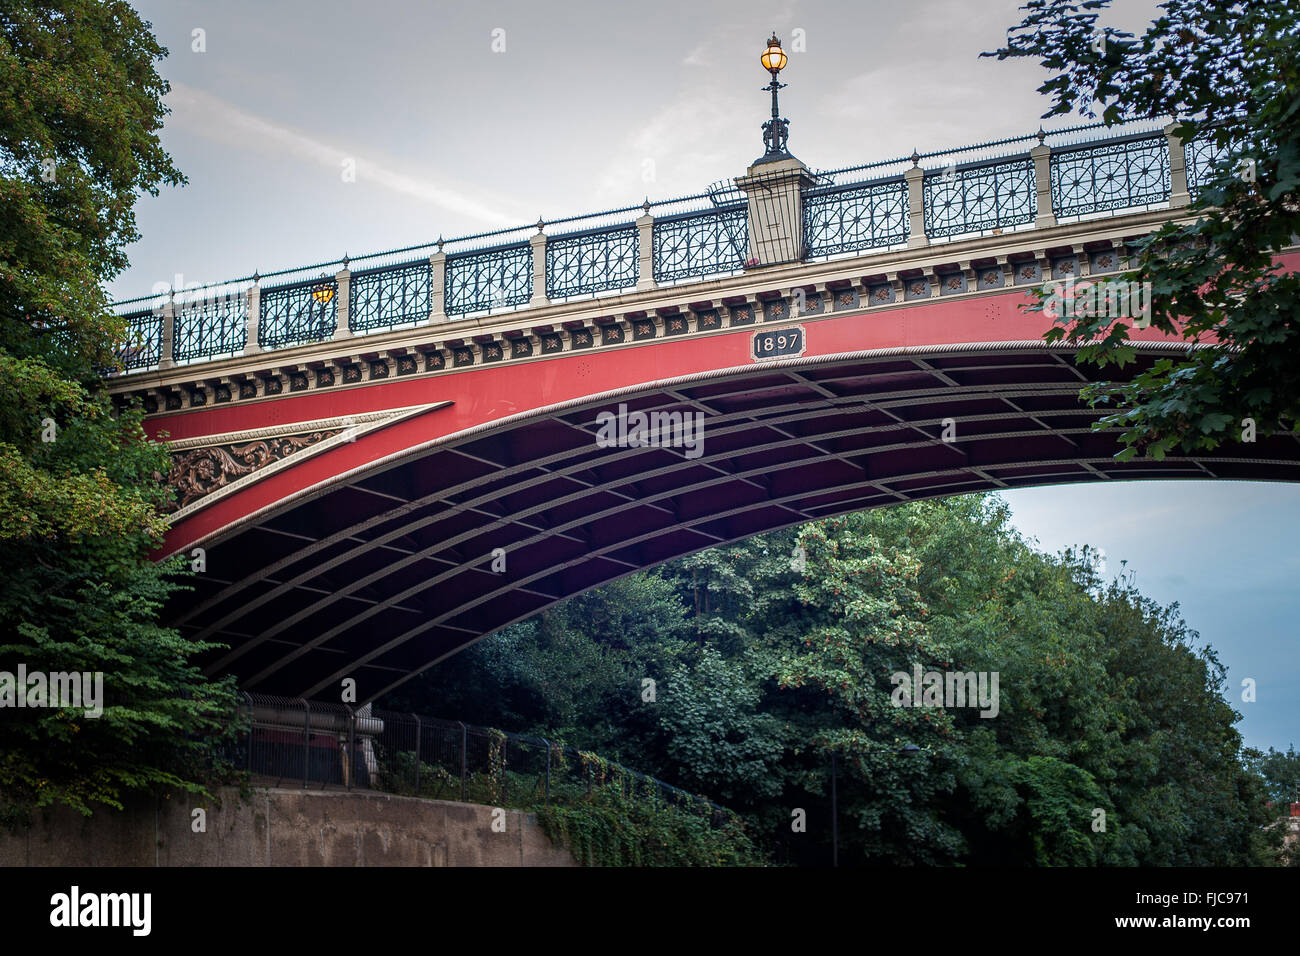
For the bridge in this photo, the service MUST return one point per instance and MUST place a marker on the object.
(386, 458)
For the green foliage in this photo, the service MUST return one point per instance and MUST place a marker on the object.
(80, 486)
(80, 110)
(402, 774)
(725, 746)
(1107, 702)
(1281, 773)
(611, 828)
(1229, 72)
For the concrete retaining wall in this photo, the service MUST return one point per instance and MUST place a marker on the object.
(287, 827)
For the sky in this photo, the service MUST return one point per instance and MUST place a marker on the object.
(464, 117)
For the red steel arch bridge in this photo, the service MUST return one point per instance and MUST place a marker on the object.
(385, 459)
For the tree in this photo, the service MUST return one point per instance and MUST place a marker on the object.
(80, 488)
(1112, 742)
(871, 625)
(1281, 773)
(1229, 73)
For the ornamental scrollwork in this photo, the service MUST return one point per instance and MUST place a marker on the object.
(198, 472)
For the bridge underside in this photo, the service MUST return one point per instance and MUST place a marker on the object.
(383, 574)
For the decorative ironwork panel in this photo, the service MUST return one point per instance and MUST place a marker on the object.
(299, 313)
(972, 199)
(143, 346)
(851, 218)
(493, 279)
(701, 243)
(199, 472)
(379, 298)
(592, 262)
(1119, 174)
(1202, 154)
(208, 327)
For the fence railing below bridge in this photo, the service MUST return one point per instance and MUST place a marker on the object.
(918, 200)
(314, 745)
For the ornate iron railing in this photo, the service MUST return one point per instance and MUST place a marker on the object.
(298, 314)
(144, 334)
(979, 196)
(1202, 154)
(390, 295)
(851, 218)
(1122, 173)
(210, 326)
(589, 262)
(490, 279)
(692, 237)
(700, 244)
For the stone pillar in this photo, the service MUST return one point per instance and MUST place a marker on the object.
(916, 207)
(645, 228)
(775, 192)
(438, 286)
(1042, 156)
(343, 306)
(166, 354)
(252, 317)
(538, 242)
(1178, 194)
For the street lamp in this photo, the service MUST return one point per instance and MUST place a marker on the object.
(776, 131)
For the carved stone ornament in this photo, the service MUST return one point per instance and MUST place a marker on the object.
(200, 471)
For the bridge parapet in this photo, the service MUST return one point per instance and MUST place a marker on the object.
(754, 230)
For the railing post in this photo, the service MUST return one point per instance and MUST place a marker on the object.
(306, 742)
(464, 743)
(438, 286)
(343, 310)
(252, 317)
(645, 237)
(252, 718)
(348, 767)
(916, 205)
(538, 242)
(1042, 157)
(417, 753)
(1178, 193)
(167, 348)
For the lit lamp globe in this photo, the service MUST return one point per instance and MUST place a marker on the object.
(773, 58)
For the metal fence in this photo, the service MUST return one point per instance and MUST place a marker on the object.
(314, 745)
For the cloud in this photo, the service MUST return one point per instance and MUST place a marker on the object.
(216, 119)
(674, 151)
